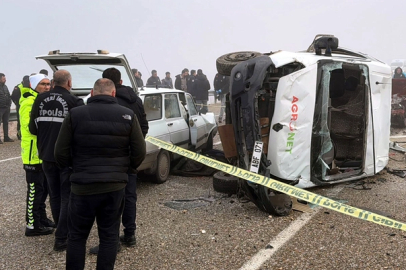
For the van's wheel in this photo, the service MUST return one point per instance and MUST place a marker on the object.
(163, 167)
(225, 63)
(275, 203)
(225, 183)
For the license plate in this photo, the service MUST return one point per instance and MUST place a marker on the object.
(256, 156)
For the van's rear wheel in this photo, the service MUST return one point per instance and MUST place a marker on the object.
(227, 62)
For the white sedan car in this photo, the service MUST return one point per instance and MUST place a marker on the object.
(172, 114)
(173, 117)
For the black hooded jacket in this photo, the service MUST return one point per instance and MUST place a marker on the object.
(202, 86)
(128, 98)
(102, 141)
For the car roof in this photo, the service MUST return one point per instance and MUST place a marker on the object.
(99, 54)
(152, 90)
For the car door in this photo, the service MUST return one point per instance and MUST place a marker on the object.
(198, 132)
(176, 121)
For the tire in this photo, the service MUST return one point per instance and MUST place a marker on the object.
(225, 183)
(227, 62)
(162, 167)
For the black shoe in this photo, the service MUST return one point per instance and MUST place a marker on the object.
(60, 245)
(8, 139)
(46, 222)
(38, 231)
(95, 250)
(128, 241)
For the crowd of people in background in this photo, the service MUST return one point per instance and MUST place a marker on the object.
(195, 83)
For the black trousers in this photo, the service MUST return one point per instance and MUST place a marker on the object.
(36, 195)
(59, 191)
(4, 116)
(106, 208)
(130, 207)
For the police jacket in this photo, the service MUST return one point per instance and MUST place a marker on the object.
(29, 152)
(101, 141)
(222, 83)
(48, 112)
(128, 98)
(191, 85)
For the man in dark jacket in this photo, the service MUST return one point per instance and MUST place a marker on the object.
(102, 141)
(181, 80)
(137, 76)
(47, 115)
(191, 83)
(202, 91)
(126, 97)
(15, 96)
(5, 103)
(222, 87)
(154, 79)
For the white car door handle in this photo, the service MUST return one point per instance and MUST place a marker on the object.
(170, 124)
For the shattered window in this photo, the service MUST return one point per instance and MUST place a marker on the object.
(153, 107)
(324, 132)
(340, 120)
(171, 106)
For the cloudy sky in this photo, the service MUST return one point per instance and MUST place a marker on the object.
(171, 35)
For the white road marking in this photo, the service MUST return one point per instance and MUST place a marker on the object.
(283, 237)
(8, 159)
(217, 143)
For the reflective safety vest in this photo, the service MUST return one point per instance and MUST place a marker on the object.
(29, 150)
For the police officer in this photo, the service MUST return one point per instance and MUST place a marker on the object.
(36, 181)
(48, 113)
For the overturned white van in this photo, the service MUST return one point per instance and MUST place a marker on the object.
(317, 117)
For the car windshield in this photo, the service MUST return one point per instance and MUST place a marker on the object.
(84, 76)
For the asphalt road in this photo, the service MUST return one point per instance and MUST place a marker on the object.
(210, 230)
